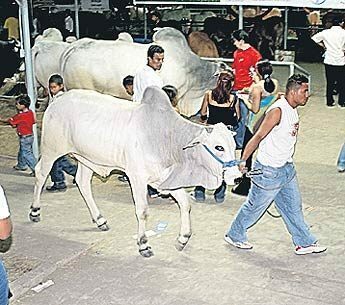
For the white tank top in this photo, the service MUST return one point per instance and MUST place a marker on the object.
(278, 146)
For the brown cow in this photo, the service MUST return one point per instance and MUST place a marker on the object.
(202, 45)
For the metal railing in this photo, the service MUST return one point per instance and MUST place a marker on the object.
(292, 66)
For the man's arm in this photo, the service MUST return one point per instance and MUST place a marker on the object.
(5, 221)
(272, 119)
(318, 38)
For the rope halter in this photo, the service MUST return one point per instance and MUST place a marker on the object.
(225, 164)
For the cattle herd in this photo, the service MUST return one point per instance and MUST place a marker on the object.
(97, 104)
(208, 33)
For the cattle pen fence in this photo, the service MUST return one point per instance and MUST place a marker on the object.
(292, 66)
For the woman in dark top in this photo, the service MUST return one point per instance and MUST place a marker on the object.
(222, 107)
(220, 103)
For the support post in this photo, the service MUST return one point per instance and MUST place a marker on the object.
(286, 27)
(240, 17)
(29, 72)
(145, 23)
(76, 10)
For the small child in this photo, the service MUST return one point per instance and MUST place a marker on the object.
(62, 164)
(171, 91)
(127, 83)
(23, 122)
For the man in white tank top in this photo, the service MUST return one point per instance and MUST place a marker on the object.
(276, 139)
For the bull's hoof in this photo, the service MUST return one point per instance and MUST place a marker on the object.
(180, 246)
(34, 218)
(101, 223)
(147, 252)
(104, 227)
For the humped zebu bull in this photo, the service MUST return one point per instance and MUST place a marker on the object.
(46, 54)
(105, 133)
(46, 58)
(101, 65)
(47, 51)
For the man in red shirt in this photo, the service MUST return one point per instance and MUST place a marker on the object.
(23, 121)
(245, 59)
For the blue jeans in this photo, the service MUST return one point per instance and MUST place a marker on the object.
(25, 154)
(341, 159)
(240, 130)
(3, 285)
(60, 166)
(279, 185)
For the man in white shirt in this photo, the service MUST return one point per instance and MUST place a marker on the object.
(333, 40)
(276, 138)
(148, 76)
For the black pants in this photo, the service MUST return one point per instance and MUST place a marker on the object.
(335, 75)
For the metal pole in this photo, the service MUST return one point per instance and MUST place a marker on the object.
(76, 8)
(240, 17)
(145, 23)
(29, 72)
(286, 27)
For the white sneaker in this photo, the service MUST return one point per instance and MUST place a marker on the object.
(313, 248)
(241, 245)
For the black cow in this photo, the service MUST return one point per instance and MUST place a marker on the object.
(267, 35)
(220, 30)
(9, 59)
(306, 49)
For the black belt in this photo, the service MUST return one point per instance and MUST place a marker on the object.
(25, 136)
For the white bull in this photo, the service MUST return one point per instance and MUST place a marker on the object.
(105, 133)
(101, 65)
(46, 54)
(46, 58)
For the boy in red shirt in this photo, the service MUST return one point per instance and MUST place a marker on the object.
(23, 122)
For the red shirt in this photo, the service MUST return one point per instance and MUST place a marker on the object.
(243, 61)
(23, 121)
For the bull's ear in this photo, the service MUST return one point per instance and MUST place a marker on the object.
(197, 140)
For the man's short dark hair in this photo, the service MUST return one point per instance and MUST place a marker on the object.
(295, 81)
(24, 100)
(240, 35)
(57, 79)
(154, 49)
(337, 20)
(128, 80)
